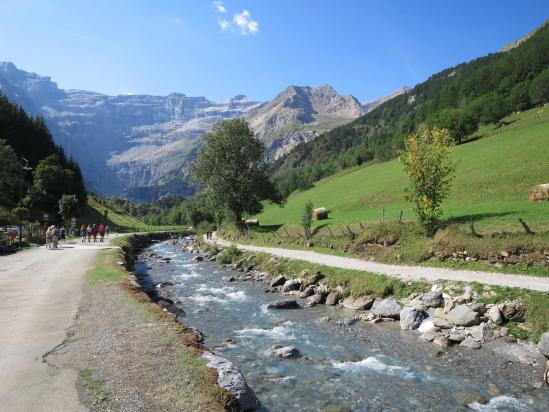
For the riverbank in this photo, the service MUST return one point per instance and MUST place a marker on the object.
(130, 354)
(323, 356)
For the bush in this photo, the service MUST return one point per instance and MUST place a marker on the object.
(229, 255)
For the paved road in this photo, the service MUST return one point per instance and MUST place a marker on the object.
(39, 294)
(430, 274)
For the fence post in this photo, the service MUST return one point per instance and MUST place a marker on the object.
(330, 230)
(525, 226)
(400, 217)
(382, 215)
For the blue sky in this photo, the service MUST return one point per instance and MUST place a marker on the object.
(256, 47)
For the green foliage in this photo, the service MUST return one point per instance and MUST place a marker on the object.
(427, 162)
(9, 176)
(68, 207)
(481, 89)
(540, 88)
(20, 213)
(459, 123)
(307, 219)
(231, 169)
(229, 255)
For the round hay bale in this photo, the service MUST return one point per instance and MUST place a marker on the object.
(251, 222)
(320, 213)
(539, 192)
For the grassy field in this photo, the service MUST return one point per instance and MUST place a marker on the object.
(493, 175)
(94, 213)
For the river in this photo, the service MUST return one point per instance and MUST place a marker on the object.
(364, 367)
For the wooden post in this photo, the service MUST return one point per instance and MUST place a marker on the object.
(473, 231)
(525, 226)
(362, 226)
(330, 230)
(286, 230)
(400, 217)
(350, 231)
(382, 215)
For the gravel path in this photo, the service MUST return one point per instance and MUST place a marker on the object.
(403, 272)
(39, 294)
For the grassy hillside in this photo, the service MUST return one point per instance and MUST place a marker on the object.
(493, 175)
(93, 213)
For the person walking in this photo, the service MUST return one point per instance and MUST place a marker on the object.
(107, 230)
(89, 232)
(54, 236)
(83, 233)
(62, 233)
(48, 237)
(101, 229)
(94, 232)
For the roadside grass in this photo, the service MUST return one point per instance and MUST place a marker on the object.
(493, 174)
(403, 243)
(203, 380)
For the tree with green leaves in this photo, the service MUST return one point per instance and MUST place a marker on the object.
(51, 181)
(307, 219)
(231, 170)
(459, 123)
(539, 90)
(10, 176)
(426, 160)
(494, 109)
(68, 207)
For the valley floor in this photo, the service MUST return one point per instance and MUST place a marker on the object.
(402, 272)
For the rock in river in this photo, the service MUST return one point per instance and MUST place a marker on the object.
(462, 315)
(310, 291)
(332, 298)
(286, 352)
(314, 300)
(495, 315)
(410, 318)
(470, 343)
(278, 281)
(360, 303)
(283, 304)
(292, 284)
(387, 308)
(230, 379)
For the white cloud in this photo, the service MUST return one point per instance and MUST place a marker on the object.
(224, 24)
(177, 20)
(244, 22)
(219, 6)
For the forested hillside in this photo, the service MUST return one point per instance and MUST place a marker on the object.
(459, 98)
(47, 176)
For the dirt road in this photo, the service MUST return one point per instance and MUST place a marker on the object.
(39, 294)
(430, 274)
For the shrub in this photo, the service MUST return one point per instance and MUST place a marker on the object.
(229, 255)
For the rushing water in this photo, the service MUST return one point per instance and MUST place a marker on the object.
(363, 367)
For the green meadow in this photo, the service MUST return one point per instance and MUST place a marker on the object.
(494, 171)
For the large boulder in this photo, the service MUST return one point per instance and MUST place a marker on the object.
(543, 345)
(513, 310)
(230, 379)
(292, 284)
(322, 290)
(309, 291)
(360, 303)
(386, 308)
(427, 300)
(485, 332)
(332, 298)
(283, 304)
(314, 300)
(278, 281)
(495, 315)
(462, 315)
(411, 318)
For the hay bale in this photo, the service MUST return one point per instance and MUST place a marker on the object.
(251, 222)
(539, 192)
(320, 213)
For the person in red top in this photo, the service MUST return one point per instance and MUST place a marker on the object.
(101, 232)
(94, 233)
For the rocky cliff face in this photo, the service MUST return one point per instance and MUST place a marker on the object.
(144, 145)
(371, 105)
(299, 114)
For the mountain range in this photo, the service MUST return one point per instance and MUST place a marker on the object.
(143, 145)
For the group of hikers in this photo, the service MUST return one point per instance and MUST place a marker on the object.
(91, 231)
(53, 235)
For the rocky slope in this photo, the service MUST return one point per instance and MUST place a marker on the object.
(143, 145)
(372, 104)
